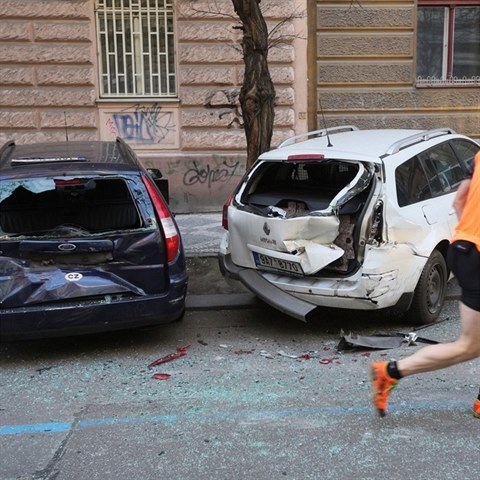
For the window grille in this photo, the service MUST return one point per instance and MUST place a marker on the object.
(448, 39)
(136, 48)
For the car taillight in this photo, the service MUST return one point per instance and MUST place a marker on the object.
(172, 236)
(376, 227)
(225, 210)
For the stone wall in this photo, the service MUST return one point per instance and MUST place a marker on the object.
(365, 74)
(47, 72)
(211, 139)
(48, 78)
(366, 71)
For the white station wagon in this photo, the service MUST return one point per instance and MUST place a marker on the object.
(348, 218)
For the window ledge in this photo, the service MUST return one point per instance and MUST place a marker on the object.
(137, 100)
(452, 82)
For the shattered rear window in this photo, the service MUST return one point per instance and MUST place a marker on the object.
(91, 204)
(310, 186)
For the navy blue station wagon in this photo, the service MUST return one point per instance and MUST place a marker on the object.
(87, 242)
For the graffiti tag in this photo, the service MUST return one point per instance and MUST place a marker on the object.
(111, 127)
(144, 124)
(227, 99)
(208, 175)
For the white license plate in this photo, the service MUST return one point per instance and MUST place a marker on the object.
(264, 261)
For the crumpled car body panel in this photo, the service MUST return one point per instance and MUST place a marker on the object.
(386, 270)
(84, 253)
(304, 240)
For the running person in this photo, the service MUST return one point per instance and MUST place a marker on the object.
(463, 259)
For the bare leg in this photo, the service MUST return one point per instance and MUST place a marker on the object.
(435, 357)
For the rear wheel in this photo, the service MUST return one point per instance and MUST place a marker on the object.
(430, 290)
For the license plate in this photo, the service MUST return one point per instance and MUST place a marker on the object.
(264, 261)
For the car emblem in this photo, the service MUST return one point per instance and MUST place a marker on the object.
(67, 247)
(266, 229)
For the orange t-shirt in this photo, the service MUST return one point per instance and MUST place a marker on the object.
(468, 228)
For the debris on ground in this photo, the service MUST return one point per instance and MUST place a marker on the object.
(161, 376)
(380, 342)
(180, 352)
(326, 361)
(265, 354)
(288, 355)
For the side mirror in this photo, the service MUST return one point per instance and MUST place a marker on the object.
(160, 182)
(155, 173)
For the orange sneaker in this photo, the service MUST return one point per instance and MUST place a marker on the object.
(382, 385)
(476, 408)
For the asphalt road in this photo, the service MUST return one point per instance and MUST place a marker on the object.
(236, 404)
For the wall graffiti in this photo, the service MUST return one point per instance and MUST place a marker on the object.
(227, 99)
(205, 174)
(144, 125)
(111, 128)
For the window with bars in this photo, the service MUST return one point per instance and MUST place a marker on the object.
(136, 48)
(448, 42)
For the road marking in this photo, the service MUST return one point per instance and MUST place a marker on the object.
(275, 414)
(56, 427)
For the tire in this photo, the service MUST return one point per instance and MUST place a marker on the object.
(429, 294)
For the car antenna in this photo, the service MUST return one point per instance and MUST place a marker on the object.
(324, 123)
(66, 127)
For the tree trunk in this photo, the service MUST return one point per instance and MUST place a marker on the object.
(257, 95)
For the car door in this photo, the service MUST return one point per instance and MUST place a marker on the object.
(424, 215)
(444, 173)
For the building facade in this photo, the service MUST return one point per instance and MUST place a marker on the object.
(166, 75)
(399, 63)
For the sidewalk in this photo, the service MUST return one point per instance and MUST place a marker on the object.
(201, 234)
(207, 288)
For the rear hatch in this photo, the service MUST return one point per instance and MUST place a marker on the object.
(77, 239)
(303, 216)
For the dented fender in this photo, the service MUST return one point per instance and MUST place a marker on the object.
(400, 258)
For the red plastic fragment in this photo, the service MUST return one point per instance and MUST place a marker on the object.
(366, 354)
(161, 376)
(180, 352)
(325, 361)
(305, 356)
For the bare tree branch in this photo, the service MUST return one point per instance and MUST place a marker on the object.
(257, 94)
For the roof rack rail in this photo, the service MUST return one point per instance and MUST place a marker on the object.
(317, 133)
(417, 138)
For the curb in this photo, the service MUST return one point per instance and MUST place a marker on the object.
(223, 301)
(237, 301)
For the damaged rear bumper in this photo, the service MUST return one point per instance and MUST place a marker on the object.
(301, 299)
(95, 316)
(269, 293)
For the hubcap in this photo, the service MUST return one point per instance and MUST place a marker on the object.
(435, 290)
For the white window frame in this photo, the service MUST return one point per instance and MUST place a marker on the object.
(136, 55)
